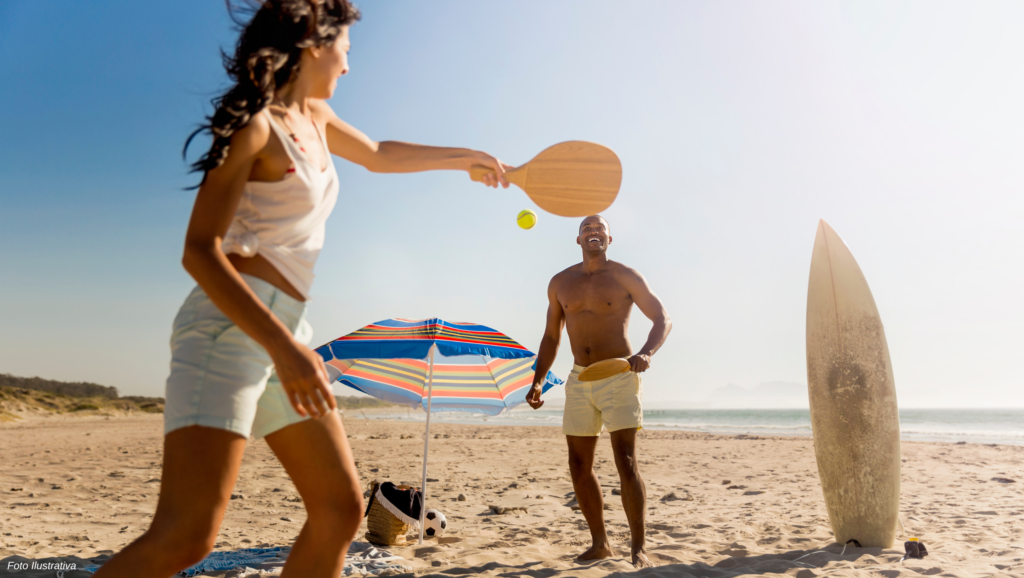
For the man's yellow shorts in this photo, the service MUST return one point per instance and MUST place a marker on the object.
(613, 402)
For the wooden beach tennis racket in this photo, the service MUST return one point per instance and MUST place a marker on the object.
(570, 179)
(604, 369)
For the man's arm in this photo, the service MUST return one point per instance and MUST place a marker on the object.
(652, 308)
(548, 346)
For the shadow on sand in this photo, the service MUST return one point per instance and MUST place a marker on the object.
(814, 561)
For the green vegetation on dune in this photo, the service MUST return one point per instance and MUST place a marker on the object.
(34, 396)
(146, 404)
(15, 402)
(74, 389)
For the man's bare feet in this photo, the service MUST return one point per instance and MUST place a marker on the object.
(597, 552)
(640, 559)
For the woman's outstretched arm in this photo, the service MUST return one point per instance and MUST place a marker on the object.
(353, 145)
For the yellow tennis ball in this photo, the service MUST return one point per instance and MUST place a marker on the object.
(526, 219)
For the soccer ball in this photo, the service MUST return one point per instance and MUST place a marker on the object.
(435, 524)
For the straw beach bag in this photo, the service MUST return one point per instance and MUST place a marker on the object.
(386, 523)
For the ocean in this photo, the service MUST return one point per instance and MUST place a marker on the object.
(981, 426)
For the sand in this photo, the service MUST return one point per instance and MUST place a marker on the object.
(719, 506)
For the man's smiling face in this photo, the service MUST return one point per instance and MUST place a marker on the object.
(594, 235)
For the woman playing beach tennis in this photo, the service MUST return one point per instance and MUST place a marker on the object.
(240, 362)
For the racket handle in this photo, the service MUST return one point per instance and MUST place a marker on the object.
(516, 176)
(478, 172)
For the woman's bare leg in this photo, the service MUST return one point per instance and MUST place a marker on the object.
(316, 455)
(200, 468)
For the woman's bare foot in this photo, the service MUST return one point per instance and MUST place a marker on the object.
(597, 552)
(640, 559)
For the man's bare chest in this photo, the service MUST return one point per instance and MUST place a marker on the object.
(593, 293)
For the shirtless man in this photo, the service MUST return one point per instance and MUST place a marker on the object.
(593, 300)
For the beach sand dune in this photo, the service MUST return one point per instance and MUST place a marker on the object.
(718, 506)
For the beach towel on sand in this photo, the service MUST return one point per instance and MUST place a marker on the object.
(226, 560)
(362, 560)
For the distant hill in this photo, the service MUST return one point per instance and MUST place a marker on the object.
(35, 395)
(20, 396)
(75, 389)
(16, 403)
(767, 395)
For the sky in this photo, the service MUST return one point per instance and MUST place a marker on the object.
(739, 126)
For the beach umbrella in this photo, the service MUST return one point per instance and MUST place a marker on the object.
(436, 365)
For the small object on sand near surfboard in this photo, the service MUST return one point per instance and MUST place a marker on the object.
(854, 417)
(570, 179)
(604, 369)
(914, 549)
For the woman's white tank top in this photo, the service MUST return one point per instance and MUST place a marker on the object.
(285, 220)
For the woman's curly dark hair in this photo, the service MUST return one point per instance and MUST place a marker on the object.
(266, 57)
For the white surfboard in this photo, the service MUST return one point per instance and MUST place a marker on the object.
(852, 393)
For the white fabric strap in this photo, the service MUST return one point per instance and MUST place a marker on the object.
(394, 510)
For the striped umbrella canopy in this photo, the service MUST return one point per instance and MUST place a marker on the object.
(434, 363)
(437, 365)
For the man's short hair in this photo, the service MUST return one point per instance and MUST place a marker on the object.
(607, 225)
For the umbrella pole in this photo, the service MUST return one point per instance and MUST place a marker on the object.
(426, 440)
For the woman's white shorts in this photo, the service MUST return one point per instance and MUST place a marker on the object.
(221, 377)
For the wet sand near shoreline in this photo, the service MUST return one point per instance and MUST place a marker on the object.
(718, 506)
